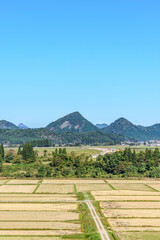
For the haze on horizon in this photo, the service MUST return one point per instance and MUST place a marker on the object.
(99, 58)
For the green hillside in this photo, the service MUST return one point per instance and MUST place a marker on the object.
(21, 136)
(73, 122)
(133, 132)
(7, 125)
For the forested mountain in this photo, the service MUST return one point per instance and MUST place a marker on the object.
(75, 129)
(7, 125)
(133, 132)
(73, 122)
(20, 136)
(22, 126)
(101, 125)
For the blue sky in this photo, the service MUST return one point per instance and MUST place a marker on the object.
(101, 58)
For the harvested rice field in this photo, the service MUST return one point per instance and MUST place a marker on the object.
(37, 198)
(38, 232)
(31, 238)
(51, 209)
(132, 186)
(137, 235)
(127, 198)
(39, 225)
(135, 229)
(18, 181)
(155, 186)
(134, 222)
(38, 206)
(131, 213)
(37, 216)
(130, 205)
(72, 181)
(17, 188)
(56, 188)
(2, 181)
(132, 209)
(92, 187)
(125, 193)
(146, 181)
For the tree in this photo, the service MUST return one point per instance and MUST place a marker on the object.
(19, 152)
(28, 153)
(1, 163)
(9, 157)
(45, 153)
(134, 158)
(2, 151)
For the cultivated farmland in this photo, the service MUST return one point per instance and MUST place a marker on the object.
(133, 210)
(59, 188)
(53, 208)
(92, 187)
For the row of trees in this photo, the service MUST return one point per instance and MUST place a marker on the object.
(25, 154)
(121, 163)
(62, 164)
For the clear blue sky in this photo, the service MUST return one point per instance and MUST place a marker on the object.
(101, 58)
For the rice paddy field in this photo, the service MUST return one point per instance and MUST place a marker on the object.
(132, 208)
(55, 209)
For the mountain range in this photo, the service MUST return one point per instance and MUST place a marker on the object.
(76, 126)
(133, 132)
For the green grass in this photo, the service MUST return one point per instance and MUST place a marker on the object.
(78, 150)
(88, 224)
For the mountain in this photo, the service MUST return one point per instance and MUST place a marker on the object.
(20, 136)
(22, 126)
(153, 131)
(101, 125)
(7, 125)
(73, 122)
(133, 132)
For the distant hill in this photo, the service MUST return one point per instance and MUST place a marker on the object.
(7, 125)
(73, 122)
(22, 126)
(20, 136)
(101, 125)
(133, 132)
(153, 131)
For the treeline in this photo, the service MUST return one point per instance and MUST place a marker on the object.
(121, 163)
(41, 143)
(27, 163)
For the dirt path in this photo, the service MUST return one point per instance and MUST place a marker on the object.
(103, 233)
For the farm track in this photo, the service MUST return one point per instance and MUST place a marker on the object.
(103, 233)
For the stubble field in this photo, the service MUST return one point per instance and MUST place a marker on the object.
(51, 209)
